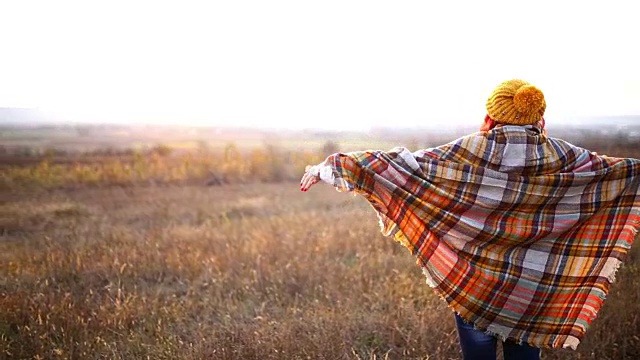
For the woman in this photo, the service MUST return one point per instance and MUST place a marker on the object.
(520, 233)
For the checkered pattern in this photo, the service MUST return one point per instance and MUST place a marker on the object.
(520, 233)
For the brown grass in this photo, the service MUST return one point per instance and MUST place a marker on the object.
(232, 272)
(157, 166)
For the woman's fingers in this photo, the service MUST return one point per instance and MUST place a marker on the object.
(307, 181)
(303, 182)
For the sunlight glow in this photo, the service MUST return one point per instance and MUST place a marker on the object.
(339, 64)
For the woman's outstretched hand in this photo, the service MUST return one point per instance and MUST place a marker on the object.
(308, 179)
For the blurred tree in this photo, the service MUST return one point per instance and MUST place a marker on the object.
(162, 150)
(329, 147)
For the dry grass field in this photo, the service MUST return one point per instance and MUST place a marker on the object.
(123, 253)
(232, 272)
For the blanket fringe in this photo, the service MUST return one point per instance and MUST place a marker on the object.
(571, 342)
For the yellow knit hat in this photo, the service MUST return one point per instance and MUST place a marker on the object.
(516, 102)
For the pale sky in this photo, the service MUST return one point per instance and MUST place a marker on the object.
(339, 64)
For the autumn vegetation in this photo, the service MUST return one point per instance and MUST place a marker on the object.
(213, 253)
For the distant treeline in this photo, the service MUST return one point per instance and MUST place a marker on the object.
(49, 167)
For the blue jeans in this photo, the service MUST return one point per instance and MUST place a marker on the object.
(476, 345)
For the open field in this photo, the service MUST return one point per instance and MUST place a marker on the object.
(122, 252)
(232, 272)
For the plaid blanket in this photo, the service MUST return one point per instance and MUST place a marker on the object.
(520, 233)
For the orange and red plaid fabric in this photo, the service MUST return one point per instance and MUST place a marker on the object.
(520, 233)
